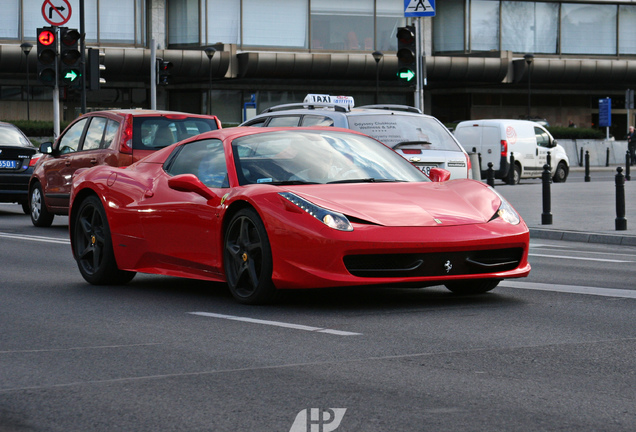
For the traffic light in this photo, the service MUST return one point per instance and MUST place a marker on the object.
(70, 56)
(47, 51)
(163, 77)
(95, 68)
(406, 54)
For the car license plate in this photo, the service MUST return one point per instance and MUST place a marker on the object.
(9, 164)
(426, 169)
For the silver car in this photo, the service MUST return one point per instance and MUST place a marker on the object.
(420, 138)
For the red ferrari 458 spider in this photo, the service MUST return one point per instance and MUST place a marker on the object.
(285, 208)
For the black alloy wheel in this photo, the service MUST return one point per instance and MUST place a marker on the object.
(247, 259)
(93, 248)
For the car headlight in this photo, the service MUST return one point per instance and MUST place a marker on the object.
(506, 212)
(330, 218)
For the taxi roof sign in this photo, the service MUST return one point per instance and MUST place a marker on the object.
(328, 100)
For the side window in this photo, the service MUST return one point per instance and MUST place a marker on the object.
(542, 137)
(205, 159)
(95, 133)
(111, 132)
(285, 121)
(258, 123)
(70, 142)
(316, 120)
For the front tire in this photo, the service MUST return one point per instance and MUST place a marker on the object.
(477, 286)
(561, 173)
(93, 247)
(40, 216)
(247, 258)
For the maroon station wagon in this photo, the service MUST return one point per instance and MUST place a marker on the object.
(115, 138)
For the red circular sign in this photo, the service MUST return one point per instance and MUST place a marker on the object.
(46, 38)
(56, 15)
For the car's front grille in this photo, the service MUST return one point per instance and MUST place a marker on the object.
(434, 264)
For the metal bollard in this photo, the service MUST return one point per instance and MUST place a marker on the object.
(628, 160)
(548, 159)
(490, 177)
(511, 170)
(479, 157)
(607, 155)
(620, 222)
(587, 166)
(581, 158)
(546, 178)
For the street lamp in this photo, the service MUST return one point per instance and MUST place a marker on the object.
(26, 49)
(529, 58)
(209, 51)
(377, 56)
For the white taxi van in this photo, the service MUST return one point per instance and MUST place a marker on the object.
(420, 138)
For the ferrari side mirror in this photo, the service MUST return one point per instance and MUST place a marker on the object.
(190, 183)
(439, 175)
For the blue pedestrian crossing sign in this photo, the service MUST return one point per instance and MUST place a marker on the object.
(419, 8)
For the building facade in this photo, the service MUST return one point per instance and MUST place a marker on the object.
(280, 50)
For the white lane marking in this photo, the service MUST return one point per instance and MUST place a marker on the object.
(35, 238)
(578, 258)
(276, 323)
(572, 289)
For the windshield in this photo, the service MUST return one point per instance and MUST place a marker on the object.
(11, 137)
(311, 156)
(392, 129)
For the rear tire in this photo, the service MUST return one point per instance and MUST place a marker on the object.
(517, 174)
(40, 216)
(93, 247)
(26, 208)
(477, 286)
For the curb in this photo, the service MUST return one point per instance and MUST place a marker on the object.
(578, 236)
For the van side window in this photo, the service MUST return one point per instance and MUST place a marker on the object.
(542, 137)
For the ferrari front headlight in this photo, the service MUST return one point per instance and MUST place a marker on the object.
(506, 212)
(330, 218)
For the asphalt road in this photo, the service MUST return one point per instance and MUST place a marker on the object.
(554, 351)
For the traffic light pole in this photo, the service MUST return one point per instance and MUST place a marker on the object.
(83, 55)
(153, 75)
(56, 90)
(420, 76)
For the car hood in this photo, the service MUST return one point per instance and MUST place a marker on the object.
(456, 202)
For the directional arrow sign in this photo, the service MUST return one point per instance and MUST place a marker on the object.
(406, 74)
(71, 75)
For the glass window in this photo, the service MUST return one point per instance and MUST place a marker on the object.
(152, 133)
(94, 133)
(389, 16)
(10, 20)
(627, 29)
(340, 25)
(484, 25)
(275, 23)
(588, 29)
(71, 139)
(317, 120)
(183, 22)
(542, 137)
(284, 121)
(224, 18)
(529, 27)
(111, 131)
(205, 159)
(448, 26)
(117, 21)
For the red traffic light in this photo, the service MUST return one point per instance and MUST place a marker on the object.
(46, 37)
(405, 35)
(69, 37)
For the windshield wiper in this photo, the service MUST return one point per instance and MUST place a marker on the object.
(289, 182)
(365, 180)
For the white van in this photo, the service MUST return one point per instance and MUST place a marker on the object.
(528, 141)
